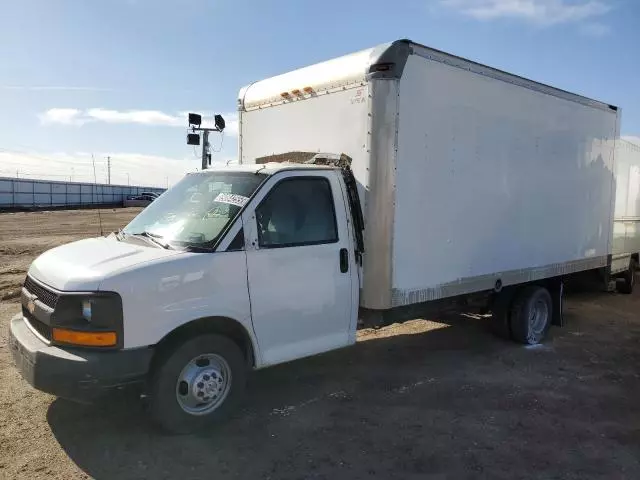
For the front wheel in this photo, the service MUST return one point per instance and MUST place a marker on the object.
(197, 384)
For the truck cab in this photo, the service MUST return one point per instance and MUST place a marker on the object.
(233, 268)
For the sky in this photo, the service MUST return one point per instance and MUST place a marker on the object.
(86, 79)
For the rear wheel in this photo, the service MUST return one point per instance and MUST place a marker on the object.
(531, 312)
(196, 384)
(626, 283)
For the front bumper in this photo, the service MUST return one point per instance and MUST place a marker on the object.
(74, 373)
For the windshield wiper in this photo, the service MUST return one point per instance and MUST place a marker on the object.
(153, 237)
(198, 249)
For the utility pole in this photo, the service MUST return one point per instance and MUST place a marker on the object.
(206, 156)
(195, 121)
(108, 170)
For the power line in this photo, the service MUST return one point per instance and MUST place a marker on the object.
(77, 170)
(47, 159)
(221, 144)
(74, 178)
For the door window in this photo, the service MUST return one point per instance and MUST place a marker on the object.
(297, 211)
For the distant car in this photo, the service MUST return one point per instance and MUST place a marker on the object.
(141, 200)
(151, 194)
(143, 196)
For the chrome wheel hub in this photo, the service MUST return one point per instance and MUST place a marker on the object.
(203, 384)
(538, 320)
(207, 385)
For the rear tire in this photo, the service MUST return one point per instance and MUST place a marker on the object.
(196, 384)
(626, 283)
(531, 312)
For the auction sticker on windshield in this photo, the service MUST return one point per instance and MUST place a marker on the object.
(231, 199)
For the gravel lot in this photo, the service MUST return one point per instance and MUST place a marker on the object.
(441, 399)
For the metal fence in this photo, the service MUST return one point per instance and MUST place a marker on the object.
(23, 193)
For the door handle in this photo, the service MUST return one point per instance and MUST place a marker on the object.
(344, 260)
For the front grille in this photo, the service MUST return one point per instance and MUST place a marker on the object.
(42, 328)
(45, 295)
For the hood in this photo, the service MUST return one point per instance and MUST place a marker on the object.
(82, 265)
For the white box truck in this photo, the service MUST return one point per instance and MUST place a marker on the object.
(406, 178)
(626, 227)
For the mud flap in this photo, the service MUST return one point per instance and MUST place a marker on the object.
(500, 312)
(556, 289)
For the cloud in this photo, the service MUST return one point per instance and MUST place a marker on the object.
(65, 116)
(126, 167)
(72, 116)
(143, 117)
(539, 12)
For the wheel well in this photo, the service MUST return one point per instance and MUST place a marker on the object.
(228, 327)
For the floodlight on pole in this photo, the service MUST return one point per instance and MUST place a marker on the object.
(195, 121)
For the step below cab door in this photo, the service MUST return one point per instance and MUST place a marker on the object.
(300, 266)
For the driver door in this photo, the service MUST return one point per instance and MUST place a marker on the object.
(297, 238)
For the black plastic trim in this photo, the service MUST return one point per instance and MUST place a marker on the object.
(392, 58)
(76, 374)
(237, 244)
(356, 210)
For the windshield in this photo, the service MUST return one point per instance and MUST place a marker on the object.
(197, 209)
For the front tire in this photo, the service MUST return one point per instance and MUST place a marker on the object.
(196, 384)
(531, 313)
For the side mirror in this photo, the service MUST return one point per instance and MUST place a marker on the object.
(193, 139)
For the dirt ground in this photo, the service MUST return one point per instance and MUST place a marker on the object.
(441, 399)
(25, 235)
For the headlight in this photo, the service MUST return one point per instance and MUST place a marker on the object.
(91, 319)
(86, 310)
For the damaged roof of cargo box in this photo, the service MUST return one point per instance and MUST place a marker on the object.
(383, 61)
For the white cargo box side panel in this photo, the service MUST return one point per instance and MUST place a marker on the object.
(626, 234)
(495, 180)
(333, 122)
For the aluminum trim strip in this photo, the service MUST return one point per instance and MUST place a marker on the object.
(481, 283)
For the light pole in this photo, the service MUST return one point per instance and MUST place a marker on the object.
(195, 120)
